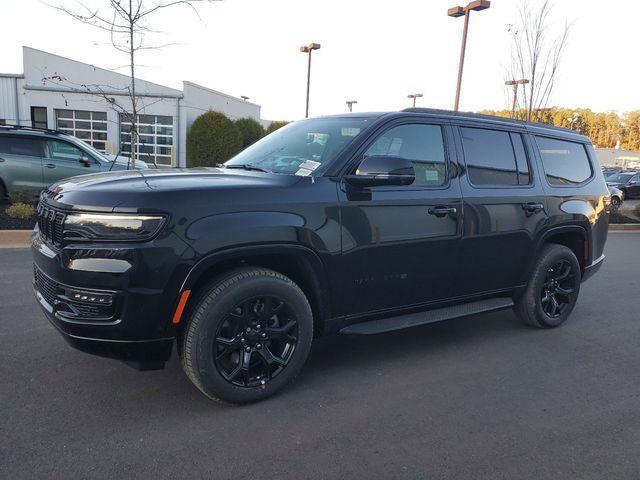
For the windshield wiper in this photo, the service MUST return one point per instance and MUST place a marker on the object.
(248, 166)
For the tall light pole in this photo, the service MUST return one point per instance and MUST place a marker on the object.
(515, 84)
(308, 49)
(414, 96)
(350, 104)
(456, 12)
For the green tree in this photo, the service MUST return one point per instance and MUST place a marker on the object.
(250, 130)
(212, 139)
(273, 126)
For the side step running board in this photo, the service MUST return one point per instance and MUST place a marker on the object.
(422, 318)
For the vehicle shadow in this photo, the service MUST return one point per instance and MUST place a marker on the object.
(337, 356)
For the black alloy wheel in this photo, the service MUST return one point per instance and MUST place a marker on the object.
(247, 335)
(553, 288)
(255, 341)
(557, 289)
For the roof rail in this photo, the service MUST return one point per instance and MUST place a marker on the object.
(435, 111)
(24, 127)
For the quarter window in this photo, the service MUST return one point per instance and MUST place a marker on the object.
(88, 126)
(422, 144)
(565, 163)
(495, 157)
(155, 138)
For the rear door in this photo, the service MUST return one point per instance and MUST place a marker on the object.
(20, 163)
(504, 207)
(397, 250)
(62, 160)
(634, 186)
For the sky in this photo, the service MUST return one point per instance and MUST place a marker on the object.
(373, 51)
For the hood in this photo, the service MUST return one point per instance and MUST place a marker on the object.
(150, 189)
(122, 163)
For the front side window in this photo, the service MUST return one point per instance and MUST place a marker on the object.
(305, 147)
(495, 157)
(18, 145)
(422, 144)
(56, 150)
(565, 163)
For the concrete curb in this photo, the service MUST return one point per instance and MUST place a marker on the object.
(15, 238)
(22, 238)
(624, 227)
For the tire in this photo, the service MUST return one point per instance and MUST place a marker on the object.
(248, 335)
(3, 193)
(536, 306)
(615, 203)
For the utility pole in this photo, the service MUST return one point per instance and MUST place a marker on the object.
(350, 104)
(414, 96)
(308, 49)
(515, 84)
(456, 12)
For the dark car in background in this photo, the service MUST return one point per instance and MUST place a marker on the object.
(627, 182)
(31, 159)
(355, 224)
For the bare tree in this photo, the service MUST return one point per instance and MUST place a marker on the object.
(128, 24)
(536, 54)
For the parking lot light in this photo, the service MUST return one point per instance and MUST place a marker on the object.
(458, 11)
(308, 49)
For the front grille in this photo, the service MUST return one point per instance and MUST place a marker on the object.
(51, 224)
(47, 287)
(58, 296)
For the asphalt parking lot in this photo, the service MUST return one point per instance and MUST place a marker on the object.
(479, 397)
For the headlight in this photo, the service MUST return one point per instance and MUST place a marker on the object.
(108, 227)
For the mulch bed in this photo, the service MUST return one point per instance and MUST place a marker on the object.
(8, 223)
(619, 217)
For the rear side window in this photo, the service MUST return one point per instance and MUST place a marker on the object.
(494, 157)
(565, 163)
(422, 144)
(14, 145)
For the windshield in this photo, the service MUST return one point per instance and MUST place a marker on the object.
(84, 145)
(302, 148)
(620, 177)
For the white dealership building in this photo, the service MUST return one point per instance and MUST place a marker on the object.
(87, 101)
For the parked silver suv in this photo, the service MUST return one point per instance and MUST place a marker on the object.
(31, 159)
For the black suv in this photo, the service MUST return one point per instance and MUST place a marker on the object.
(353, 224)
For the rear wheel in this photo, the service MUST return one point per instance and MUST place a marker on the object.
(552, 290)
(248, 335)
(615, 203)
(3, 193)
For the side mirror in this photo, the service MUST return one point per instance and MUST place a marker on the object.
(383, 170)
(86, 161)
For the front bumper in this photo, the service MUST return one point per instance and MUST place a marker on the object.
(137, 283)
(590, 270)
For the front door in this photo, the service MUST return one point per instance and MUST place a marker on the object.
(399, 243)
(504, 208)
(63, 160)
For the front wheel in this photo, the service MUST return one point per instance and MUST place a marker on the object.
(552, 290)
(248, 335)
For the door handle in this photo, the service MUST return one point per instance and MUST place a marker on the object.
(441, 211)
(1, 159)
(50, 165)
(532, 207)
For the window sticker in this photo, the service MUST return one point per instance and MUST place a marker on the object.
(309, 165)
(303, 172)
